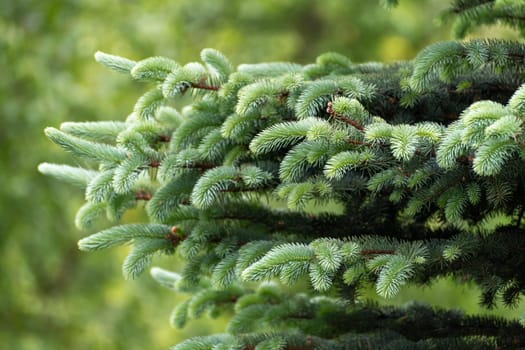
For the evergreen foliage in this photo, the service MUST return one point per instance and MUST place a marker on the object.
(419, 155)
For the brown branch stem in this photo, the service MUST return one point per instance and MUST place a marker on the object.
(164, 138)
(356, 142)
(349, 121)
(143, 195)
(205, 87)
(343, 118)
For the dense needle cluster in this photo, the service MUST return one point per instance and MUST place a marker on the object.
(344, 175)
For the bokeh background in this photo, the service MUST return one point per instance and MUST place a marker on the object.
(51, 295)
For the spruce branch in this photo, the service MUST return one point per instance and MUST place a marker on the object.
(153, 69)
(119, 235)
(73, 175)
(86, 149)
(117, 63)
(450, 59)
(408, 164)
(470, 14)
(105, 131)
(217, 63)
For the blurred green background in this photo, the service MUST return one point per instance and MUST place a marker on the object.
(51, 295)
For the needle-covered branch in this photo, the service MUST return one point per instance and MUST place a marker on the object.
(335, 174)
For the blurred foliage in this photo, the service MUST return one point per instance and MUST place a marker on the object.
(52, 296)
